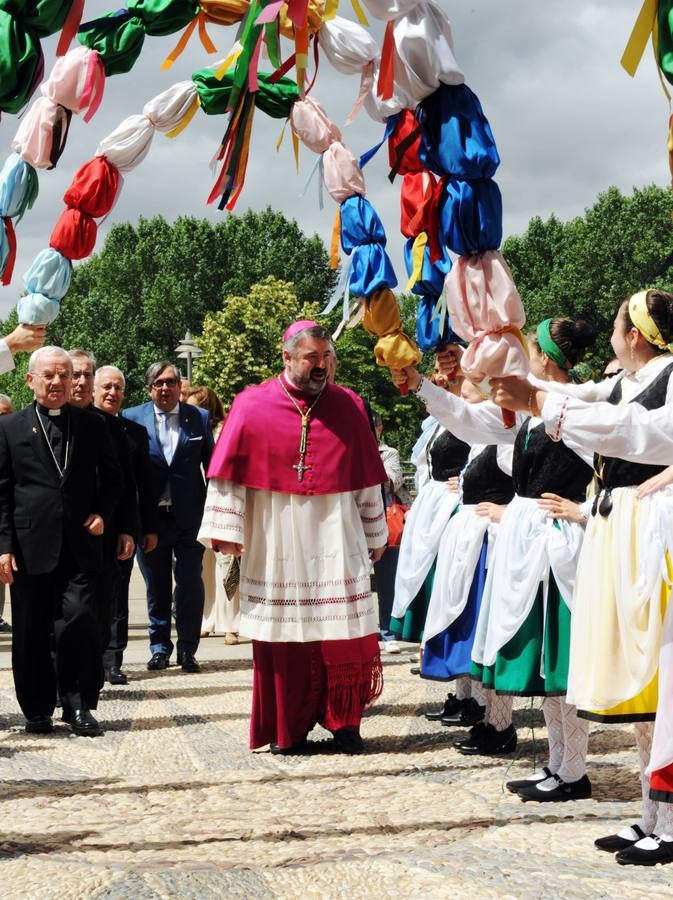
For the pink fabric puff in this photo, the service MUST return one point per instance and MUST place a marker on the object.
(298, 326)
(342, 176)
(41, 135)
(483, 302)
(94, 187)
(77, 81)
(310, 123)
(74, 235)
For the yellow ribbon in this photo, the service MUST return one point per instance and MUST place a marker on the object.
(417, 253)
(295, 150)
(186, 119)
(228, 62)
(335, 242)
(518, 334)
(331, 9)
(359, 12)
(645, 26)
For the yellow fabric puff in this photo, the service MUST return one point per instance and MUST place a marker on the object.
(382, 313)
(396, 351)
(224, 12)
(315, 15)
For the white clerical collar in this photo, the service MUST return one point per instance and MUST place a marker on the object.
(49, 412)
(171, 412)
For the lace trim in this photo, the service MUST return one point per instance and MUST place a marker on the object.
(306, 601)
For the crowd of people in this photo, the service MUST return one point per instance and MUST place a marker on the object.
(535, 560)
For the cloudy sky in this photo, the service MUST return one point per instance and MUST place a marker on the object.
(568, 121)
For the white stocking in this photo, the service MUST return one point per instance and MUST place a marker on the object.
(462, 686)
(575, 744)
(664, 826)
(500, 713)
(644, 731)
(551, 707)
(479, 692)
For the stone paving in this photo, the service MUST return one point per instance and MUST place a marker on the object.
(171, 803)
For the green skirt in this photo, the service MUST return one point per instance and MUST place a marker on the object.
(410, 628)
(518, 664)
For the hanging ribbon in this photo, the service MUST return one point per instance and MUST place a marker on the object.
(359, 13)
(228, 61)
(335, 241)
(186, 119)
(269, 13)
(94, 86)
(297, 13)
(645, 28)
(208, 45)
(391, 122)
(70, 26)
(301, 40)
(340, 292)
(417, 254)
(386, 80)
(366, 81)
(11, 256)
(331, 9)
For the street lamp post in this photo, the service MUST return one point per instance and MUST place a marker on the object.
(188, 350)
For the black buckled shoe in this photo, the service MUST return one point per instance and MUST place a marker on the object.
(451, 706)
(159, 661)
(613, 843)
(650, 851)
(515, 786)
(187, 662)
(469, 714)
(563, 790)
(486, 741)
(39, 725)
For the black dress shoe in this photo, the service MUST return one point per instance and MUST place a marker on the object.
(159, 661)
(658, 852)
(469, 714)
(613, 842)
(187, 661)
(415, 670)
(564, 790)
(489, 742)
(515, 786)
(296, 749)
(115, 676)
(348, 741)
(82, 722)
(39, 725)
(451, 705)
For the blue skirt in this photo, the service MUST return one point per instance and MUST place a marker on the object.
(448, 655)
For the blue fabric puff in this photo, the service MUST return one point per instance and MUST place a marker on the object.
(36, 309)
(470, 216)
(428, 336)
(17, 186)
(371, 269)
(432, 277)
(360, 224)
(456, 138)
(49, 274)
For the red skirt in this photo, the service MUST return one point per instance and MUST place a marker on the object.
(296, 686)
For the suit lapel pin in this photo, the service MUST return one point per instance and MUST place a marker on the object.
(34, 430)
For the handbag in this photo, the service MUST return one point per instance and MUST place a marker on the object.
(395, 515)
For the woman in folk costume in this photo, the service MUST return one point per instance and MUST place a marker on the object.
(442, 457)
(467, 542)
(522, 635)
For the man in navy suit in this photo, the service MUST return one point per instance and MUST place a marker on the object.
(181, 443)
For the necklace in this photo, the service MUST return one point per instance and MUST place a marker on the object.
(51, 449)
(300, 466)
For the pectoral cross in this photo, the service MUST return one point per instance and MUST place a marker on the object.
(301, 468)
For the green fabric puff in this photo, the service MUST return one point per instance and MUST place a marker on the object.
(45, 17)
(21, 62)
(665, 23)
(117, 38)
(274, 99)
(162, 17)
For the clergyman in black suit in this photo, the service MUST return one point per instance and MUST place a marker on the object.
(59, 486)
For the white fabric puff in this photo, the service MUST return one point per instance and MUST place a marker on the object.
(128, 145)
(347, 45)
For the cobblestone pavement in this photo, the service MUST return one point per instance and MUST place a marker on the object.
(171, 803)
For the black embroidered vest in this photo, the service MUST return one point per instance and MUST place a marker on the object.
(541, 465)
(447, 456)
(485, 482)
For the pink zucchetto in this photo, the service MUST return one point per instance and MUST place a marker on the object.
(299, 326)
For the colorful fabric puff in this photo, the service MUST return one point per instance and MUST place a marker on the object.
(360, 224)
(341, 173)
(287, 17)
(224, 12)
(312, 126)
(49, 274)
(128, 145)
(173, 107)
(404, 145)
(381, 109)
(273, 98)
(18, 187)
(36, 309)
(418, 197)
(486, 309)
(424, 46)
(118, 37)
(42, 133)
(94, 187)
(456, 138)
(370, 270)
(430, 279)
(470, 216)
(389, 9)
(396, 351)
(665, 38)
(432, 330)
(347, 45)
(21, 61)
(74, 234)
(381, 313)
(77, 81)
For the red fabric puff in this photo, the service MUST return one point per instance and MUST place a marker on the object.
(74, 234)
(404, 144)
(94, 188)
(419, 198)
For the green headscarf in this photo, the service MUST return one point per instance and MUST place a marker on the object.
(549, 346)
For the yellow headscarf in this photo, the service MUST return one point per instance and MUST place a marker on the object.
(641, 318)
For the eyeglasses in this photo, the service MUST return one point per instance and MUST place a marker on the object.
(164, 382)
